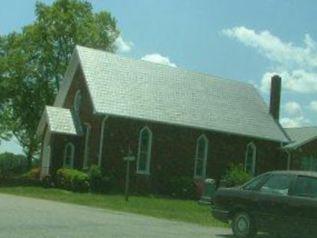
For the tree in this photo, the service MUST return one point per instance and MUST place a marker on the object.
(35, 60)
(3, 94)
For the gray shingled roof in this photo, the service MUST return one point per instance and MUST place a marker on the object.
(147, 91)
(301, 136)
(60, 120)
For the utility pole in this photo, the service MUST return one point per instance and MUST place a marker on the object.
(128, 159)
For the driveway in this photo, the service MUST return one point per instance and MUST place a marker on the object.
(29, 217)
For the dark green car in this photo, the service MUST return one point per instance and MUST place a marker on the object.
(279, 202)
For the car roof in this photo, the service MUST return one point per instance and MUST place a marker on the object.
(295, 172)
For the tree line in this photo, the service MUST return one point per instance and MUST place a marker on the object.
(34, 60)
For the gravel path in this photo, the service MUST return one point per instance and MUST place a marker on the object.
(29, 217)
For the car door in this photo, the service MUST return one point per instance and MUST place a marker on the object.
(247, 198)
(303, 206)
(271, 201)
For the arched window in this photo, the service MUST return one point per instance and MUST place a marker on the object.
(144, 153)
(201, 157)
(69, 155)
(87, 127)
(77, 101)
(250, 159)
(102, 132)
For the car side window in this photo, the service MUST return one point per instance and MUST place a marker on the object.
(305, 187)
(277, 184)
(254, 183)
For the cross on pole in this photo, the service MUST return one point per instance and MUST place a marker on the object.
(128, 159)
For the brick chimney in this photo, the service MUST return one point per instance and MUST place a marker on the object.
(275, 99)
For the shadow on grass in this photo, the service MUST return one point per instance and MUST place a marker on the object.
(16, 182)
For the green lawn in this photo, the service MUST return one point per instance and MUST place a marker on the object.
(181, 210)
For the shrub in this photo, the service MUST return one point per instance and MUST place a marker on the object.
(32, 178)
(33, 174)
(72, 179)
(99, 182)
(11, 164)
(236, 175)
(80, 182)
(63, 179)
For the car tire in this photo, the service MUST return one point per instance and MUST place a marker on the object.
(243, 226)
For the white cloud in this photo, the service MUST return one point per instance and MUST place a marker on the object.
(122, 45)
(288, 122)
(274, 48)
(293, 109)
(296, 65)
(294, 115)
(313, 106)
(159, 59)
(299, 81)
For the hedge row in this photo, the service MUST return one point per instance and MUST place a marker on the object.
(96, 180)
(78, 181)
(12, 165)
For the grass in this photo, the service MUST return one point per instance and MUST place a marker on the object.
(180, 210)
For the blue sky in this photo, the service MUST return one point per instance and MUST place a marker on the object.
(239, 40)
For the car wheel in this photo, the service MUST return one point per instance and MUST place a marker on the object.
(243, 226)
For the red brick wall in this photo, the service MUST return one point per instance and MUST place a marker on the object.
(86, 116)
(307, 150)
(173, 150)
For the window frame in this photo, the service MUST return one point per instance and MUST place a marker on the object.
(72, 153)
(149, 152)
(77, 101)
(102, 131)
(254, 154)
(204, 159)
(87, 144)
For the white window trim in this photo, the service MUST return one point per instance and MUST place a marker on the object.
(253, 147)
(204, 137)
(148, 159)
(76, 103)
(71, 145)
(46, 161)
(87, 140)
(101, 139)
(46, 142)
